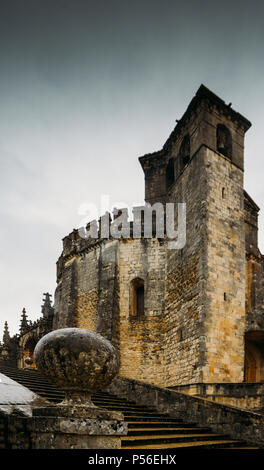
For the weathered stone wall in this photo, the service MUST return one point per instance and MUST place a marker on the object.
(20, 432)
(254, 334)
(86, 282)
(186, 278)
(254, 268)
(225, 316)
(141, 338)
(65, 299)
(87, 290)
(251, 225)
(102, 296)
(255, 292)
(17, 433)
(3, 433)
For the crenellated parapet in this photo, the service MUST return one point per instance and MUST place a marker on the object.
(109, 228)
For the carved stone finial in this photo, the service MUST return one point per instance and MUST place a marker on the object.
(23, 321)
(6, 335)
(47, 309)
(81, 363)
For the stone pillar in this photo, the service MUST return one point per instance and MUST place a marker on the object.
(81, 362)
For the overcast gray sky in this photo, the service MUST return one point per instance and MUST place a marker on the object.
(88, 86)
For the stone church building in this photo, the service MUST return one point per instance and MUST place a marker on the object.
(179, 317)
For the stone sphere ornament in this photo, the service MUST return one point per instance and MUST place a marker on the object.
(78, 361)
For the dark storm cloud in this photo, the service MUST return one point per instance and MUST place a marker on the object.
(88, 86)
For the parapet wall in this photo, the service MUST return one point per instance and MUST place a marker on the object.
(248, 396)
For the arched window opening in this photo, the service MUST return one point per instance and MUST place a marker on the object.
(137, 309)
(170, 176)
(224, 141)
(28, 352)
(185, 151)
(254, 356)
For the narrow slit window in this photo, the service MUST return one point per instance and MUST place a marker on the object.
(138, 298)
(170, 176)
(185, 151)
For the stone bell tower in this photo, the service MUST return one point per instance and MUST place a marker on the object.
(201, 164)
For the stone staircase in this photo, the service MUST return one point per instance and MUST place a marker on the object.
(147, 429)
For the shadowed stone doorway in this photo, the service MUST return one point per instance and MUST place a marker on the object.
(254, 356)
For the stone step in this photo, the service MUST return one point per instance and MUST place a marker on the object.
(123, 404)
(165, 438)
(50, 397)
(23, 372)
(157, 424)
(116, 402)
(165, 430)
(145, 417)
(207, 444)
(30, 382)
(241, 448)
(26, 382)
(41, 388)
(127, 409)
(150, 418)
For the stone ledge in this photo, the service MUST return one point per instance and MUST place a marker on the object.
(87, 426)
(63, 433)
(61, 411)
(225, 389)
